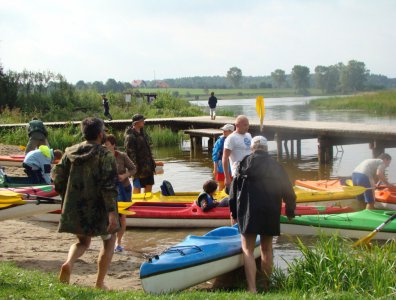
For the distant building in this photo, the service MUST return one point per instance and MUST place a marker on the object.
(162, 84)
(138, 83)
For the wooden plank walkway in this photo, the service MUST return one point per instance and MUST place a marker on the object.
(328, 134)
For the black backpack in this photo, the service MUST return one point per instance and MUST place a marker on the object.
(167, 189)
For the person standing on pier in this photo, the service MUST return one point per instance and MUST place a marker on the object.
(212, 106)
(368, 173)
(137, 146)
(236, 147)
(106, 107)
(217, 155)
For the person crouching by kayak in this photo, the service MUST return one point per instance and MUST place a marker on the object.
(37, 164)
(206, 199)
(257, 190)
(125, 168)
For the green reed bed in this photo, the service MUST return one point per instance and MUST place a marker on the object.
(332, 266)
(383, 103)
(60, 138)
(330, 269)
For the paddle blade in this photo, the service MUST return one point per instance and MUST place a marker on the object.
(349, 182)
(365, 240)
(127, 212)
(260, 110)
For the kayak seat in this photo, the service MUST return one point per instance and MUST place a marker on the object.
(223, 231)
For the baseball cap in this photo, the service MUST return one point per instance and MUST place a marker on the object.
(259, 140)
(137, 118)
(228, 127)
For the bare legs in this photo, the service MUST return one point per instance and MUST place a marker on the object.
(266, 258)
(122, 230)
(78, 249)
(104, 260)
(147, 189)
(248, 245)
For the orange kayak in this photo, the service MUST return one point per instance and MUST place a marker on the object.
(320, 185)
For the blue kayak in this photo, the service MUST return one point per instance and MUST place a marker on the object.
(195, 260)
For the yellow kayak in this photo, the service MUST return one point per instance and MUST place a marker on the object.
(303, 195)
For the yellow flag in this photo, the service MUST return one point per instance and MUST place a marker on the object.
(260, 109)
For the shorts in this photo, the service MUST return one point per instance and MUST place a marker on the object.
(363, 180)
(124, 193)
(142, 182)
(220, 176)
(106, 237)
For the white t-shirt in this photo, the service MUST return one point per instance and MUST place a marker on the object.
(369, 167)
(239, 144)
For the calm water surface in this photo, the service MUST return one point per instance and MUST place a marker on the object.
(188, 173)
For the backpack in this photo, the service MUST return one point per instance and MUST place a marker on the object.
(167, 189)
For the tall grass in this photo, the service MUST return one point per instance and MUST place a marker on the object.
(330, 269)
(383, 103)
(332, 266)
(60, 138)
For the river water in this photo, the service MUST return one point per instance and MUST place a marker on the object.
(188, 172)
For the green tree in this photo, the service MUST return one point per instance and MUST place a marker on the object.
(320, 77)
(354, 76)
(234, 74)
(8, 89)
(300, 75)
(278, 77)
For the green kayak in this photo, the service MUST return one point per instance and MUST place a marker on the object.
(351, 225)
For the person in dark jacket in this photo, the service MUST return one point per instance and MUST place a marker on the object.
(137, 146)
(86, 180)
(106, 107)
(256, 197)
(37, 135)
(212, 105)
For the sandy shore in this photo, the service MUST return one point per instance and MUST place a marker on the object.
(38, 246)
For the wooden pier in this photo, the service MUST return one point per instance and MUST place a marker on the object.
(286, 134)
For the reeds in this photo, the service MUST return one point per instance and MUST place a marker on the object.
(332, 266)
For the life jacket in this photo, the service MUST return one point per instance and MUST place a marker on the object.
(208, 198)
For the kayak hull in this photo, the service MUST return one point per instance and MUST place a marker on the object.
(26, 210)
(186, 215)
(351, 225)
(195, 260)
(37, 190)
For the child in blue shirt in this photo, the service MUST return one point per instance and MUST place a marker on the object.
(205, 199)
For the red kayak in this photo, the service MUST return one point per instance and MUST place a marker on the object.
(37, 190)
(178, 215)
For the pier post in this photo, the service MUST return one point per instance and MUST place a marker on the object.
(325, 150)
(299, 149)
(279, 148)
(376, 148)
(211, 142)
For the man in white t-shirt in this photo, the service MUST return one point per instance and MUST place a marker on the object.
(367, 173)
(236, 147)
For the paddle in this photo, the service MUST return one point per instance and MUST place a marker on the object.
(368, 238)
(260, 109)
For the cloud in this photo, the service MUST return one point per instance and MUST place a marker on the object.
(126, 40)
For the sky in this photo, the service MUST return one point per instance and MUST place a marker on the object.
(147, 39)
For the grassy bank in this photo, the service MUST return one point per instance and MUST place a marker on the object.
(202, 94)
(330, 269)
(60, 138)
(382, 103)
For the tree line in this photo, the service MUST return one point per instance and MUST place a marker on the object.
(31, 90)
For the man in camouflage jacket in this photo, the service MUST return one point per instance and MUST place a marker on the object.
(137, 146)
(86, 180)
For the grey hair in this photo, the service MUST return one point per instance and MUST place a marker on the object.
(258, 146)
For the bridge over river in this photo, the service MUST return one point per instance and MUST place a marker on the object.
(284, 133)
